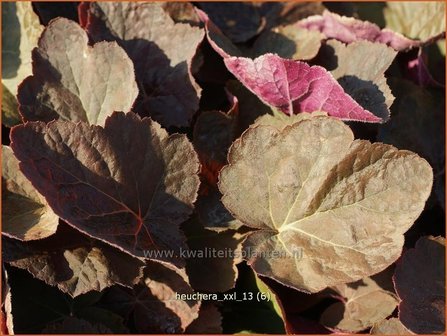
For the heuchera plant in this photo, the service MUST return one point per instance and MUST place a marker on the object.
(223, 168)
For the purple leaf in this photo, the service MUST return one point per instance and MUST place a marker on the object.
(293, 86)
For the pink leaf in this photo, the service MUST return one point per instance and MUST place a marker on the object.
(348, 30)
(293, 86)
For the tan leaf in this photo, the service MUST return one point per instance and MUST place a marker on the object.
(20, 31)
(359, 68)
(419, 20)
(10, 108)
(26, 214)
(326, 205)
(162, 52)
(76, 82)
(390, 327)
(364, 303)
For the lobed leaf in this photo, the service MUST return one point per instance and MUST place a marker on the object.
(162, 52)
(294, 86)
(26, 214)
(419, 280)
(128, 184)
(327, 205)
(76, 82)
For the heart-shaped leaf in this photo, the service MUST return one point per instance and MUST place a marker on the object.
(128, 184)
(329, 210)
(73, 81)
(294, 86)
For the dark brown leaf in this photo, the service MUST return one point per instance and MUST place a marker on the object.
(128, 184)
(211, 266)
(419, 280)
(208, 322)
(152, 305)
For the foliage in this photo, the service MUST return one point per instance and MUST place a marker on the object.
(221, 167)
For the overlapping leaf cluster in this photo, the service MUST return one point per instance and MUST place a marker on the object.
(308, 141)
